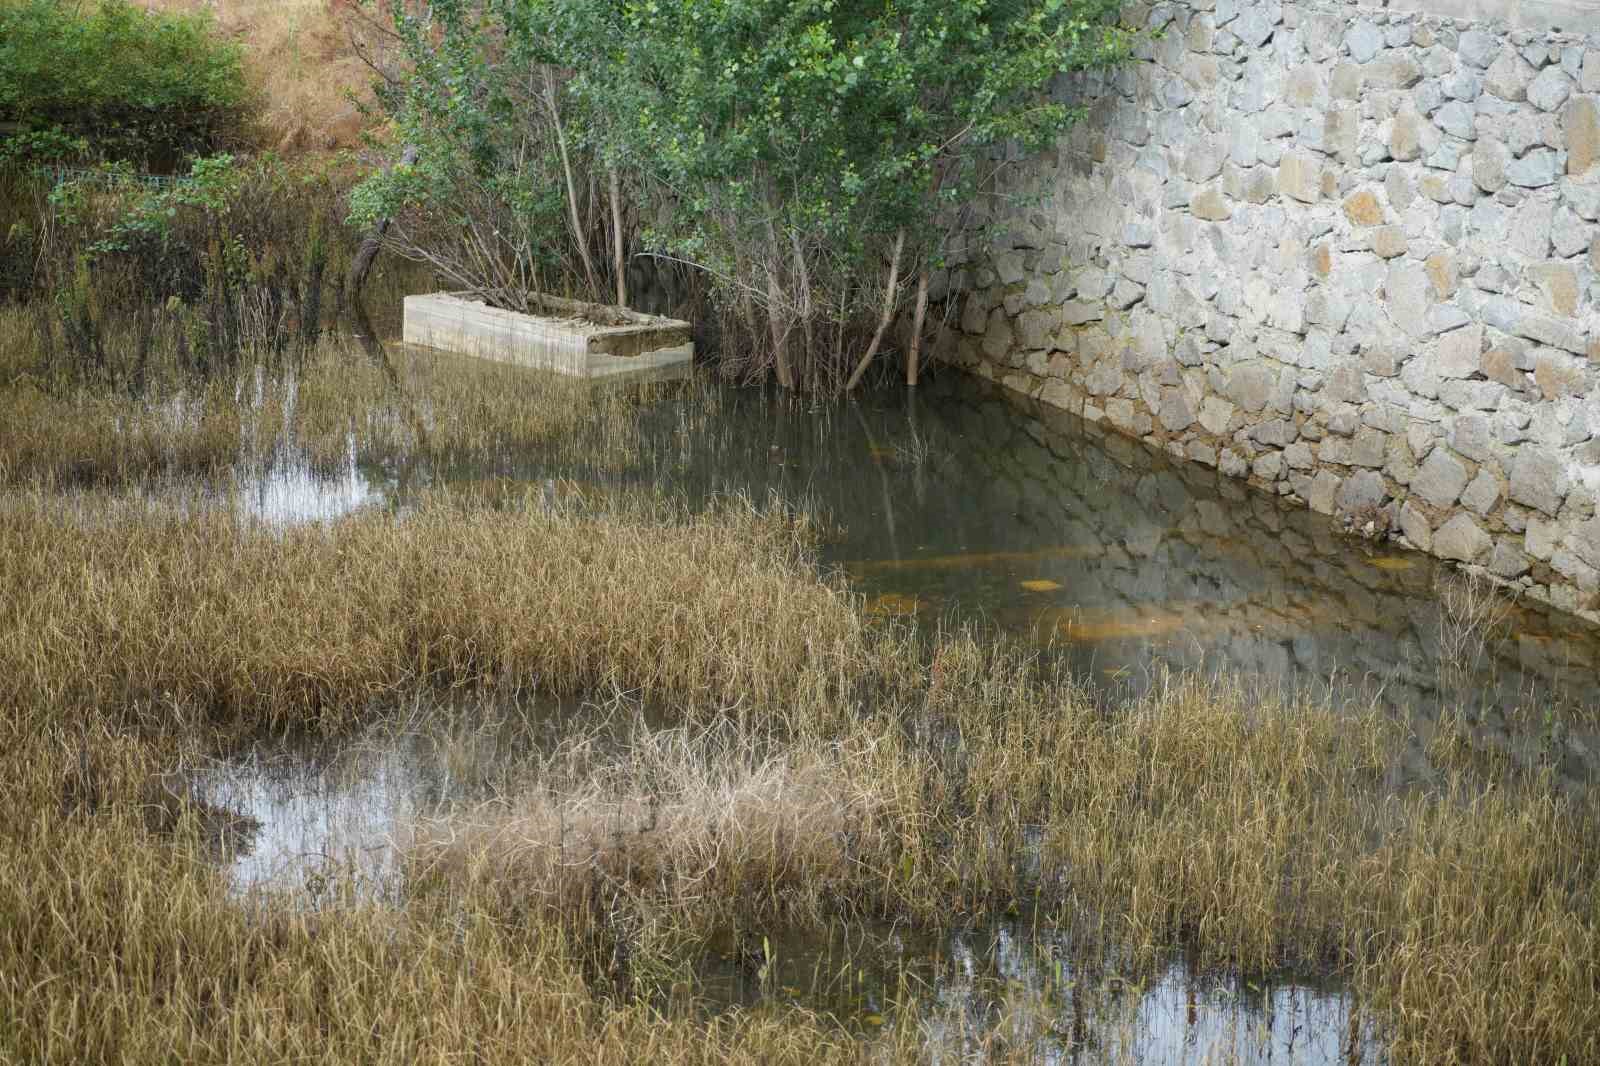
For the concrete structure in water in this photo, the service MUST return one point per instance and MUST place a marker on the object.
(580, 340)
(1349, 253)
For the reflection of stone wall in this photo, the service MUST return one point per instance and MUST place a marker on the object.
(1254, 589)
(1350, 255)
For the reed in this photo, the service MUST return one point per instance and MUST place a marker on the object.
(402, 408)
(166, 613)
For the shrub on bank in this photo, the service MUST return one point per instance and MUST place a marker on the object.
(116, 81)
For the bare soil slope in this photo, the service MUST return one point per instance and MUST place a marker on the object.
(303, 57)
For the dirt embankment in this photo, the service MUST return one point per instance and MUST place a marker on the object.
(305, 58)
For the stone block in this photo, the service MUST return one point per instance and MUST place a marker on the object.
(1363, 208)
(1211, 205)
(1440, 480)
(1216, 415)
(1472, 437)
(1276, 433)
(1490, 158)
(998, 336)
(1300, 177)
(1508, 77)
(1461, 539)
(1458, 120)
(1361, 493)
(1460, 353)
(1535, 170)
(1580, 122)
(1482, 495)
(1478, 49)
(1538, 479)
(1364, 41)
(1323, 491)
(1414, 524)
(1550, 89)
(1395, 70)
(1389, 242)
(1556, 332)
(1176, 414)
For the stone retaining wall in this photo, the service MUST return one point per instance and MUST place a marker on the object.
(1347, 253)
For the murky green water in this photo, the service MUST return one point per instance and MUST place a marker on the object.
(960, 503)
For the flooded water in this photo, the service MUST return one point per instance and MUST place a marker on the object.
(965, 503)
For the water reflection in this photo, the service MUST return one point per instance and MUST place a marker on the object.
(966, 501)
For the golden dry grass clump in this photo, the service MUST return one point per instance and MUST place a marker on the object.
(157, 612)
(660, 846)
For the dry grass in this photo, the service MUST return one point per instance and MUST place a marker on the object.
(170, 614)
(299, 59)
(406, 407)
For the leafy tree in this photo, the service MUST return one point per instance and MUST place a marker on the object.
(806, 155)
(116, 81)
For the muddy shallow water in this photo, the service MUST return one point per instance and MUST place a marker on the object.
(964, 503)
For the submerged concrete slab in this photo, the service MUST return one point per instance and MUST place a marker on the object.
(580, 340)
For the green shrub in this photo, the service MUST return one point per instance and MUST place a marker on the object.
(124, 83)
(803, 155)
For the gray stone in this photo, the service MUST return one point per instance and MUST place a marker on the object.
(1460, 353)
(1361, 493)
(1541, 538)
(1458, 120)
(1268, 467)
(1547, 329)
(1535, 170)
(1440, 479)
(1550, 89)
(1460, 539)
(1478, 49)
(1393, 70)
(1490, 158)
(1126, 294)
(1251, 386)
(1216, 414)
(1276, 432)
(1364, 40)
(998, 338)
(1414, 524)
(1508, 77)
(1176, 414)
(1323, 491)
(1507, 561)
(1471, 437)
(1538, 479)
(1483, 494)
(1585, 542)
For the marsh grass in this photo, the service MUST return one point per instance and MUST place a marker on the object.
(805, 763)
(402, 407)
(170, 614)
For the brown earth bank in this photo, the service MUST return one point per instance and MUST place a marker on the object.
(305, 60)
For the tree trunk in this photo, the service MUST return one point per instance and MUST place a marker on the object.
(917, 320)
(780, 335)
(372, 243)
(578, 236)
(614, 189)
(889, 295)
